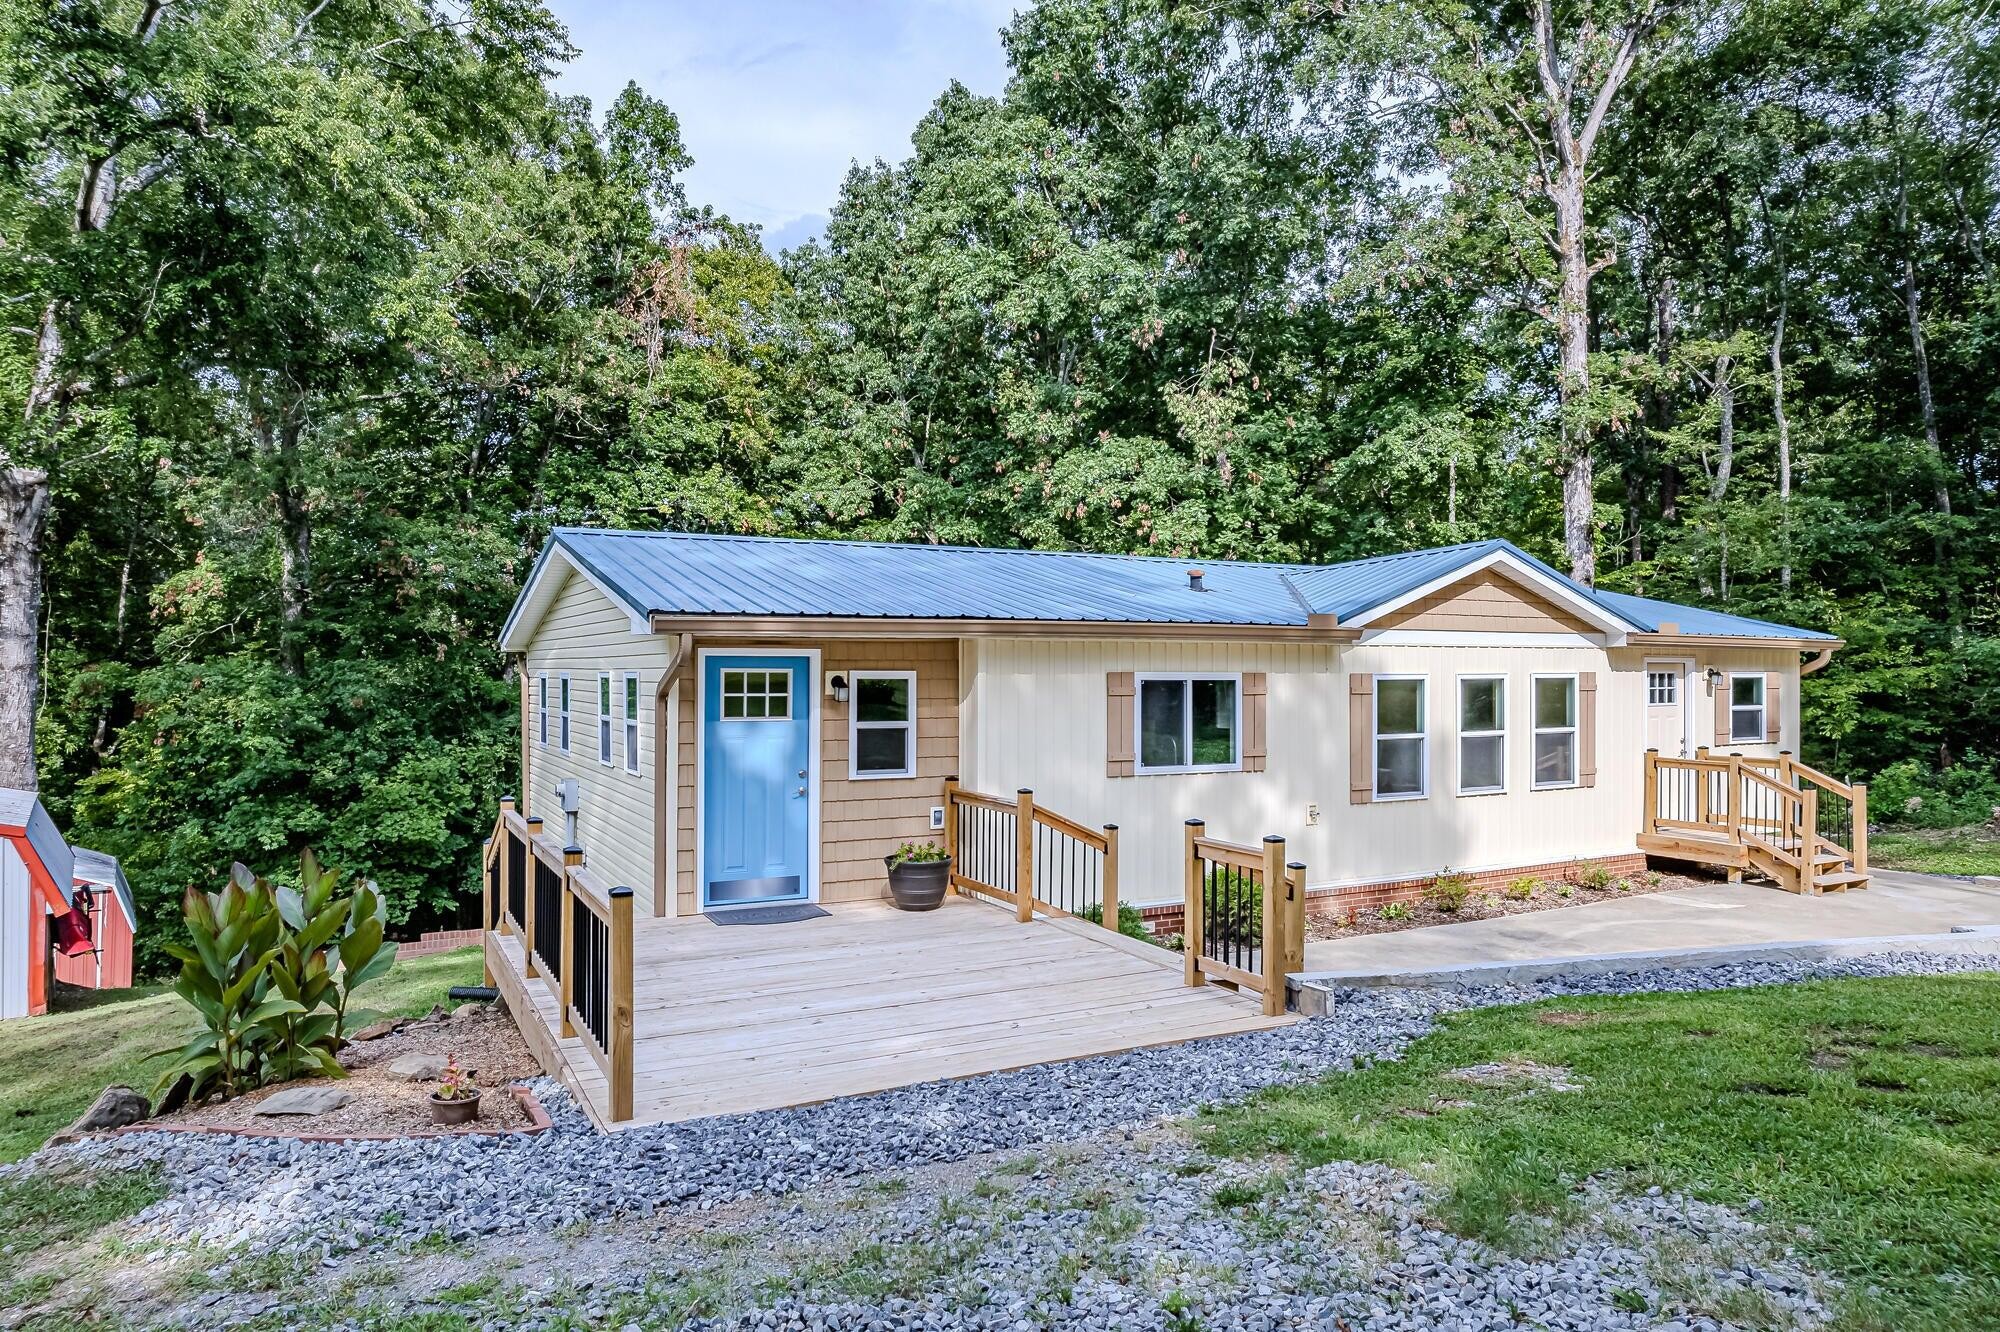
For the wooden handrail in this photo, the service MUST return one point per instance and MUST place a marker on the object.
(1048, 818)
(1229, 853)
(1028, 815)
(1281, 920)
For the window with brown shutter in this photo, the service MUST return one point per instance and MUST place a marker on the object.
(1774, 716)
(1721, 687)
(1360, 738)
(1119, 750)
(1253, 721)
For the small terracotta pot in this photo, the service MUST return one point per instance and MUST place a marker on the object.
(917, 885)
(454, 1111)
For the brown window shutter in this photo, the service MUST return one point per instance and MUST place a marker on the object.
(1774, 715)
(1722, 712)
(1360, 738)
(1254, 729)
(1119, 752)
(1586, 728)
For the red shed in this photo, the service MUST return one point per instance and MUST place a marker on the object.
(94, 945)
(65, 913)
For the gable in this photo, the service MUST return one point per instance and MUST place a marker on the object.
(1485, 602)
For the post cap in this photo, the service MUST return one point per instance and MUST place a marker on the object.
(534, 818)
(1295, 864)
(621, 891)
(1193, 823)
(1273, 837)
(1024, 790)
(1111, 827)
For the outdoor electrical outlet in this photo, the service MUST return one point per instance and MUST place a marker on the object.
(1312, 816)
(937, 818)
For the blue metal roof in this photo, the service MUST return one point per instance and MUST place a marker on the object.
(678, 573)
(1649, 615)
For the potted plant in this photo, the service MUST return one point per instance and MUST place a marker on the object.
(456, 1100)
(918, 872)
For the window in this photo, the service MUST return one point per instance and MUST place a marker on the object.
(631, 715)
(1482, 734)
(1189, 723)
(562, 713)
(542, 709)
(757, 695)
(1746, 708)
(1663, 688)
(882, 727)
(1402, 767)
(1555, 730)
(604, 718)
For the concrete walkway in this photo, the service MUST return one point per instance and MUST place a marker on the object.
(1715, 915)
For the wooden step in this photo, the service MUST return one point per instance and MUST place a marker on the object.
(1840, 880)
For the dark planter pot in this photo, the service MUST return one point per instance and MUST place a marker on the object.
(917, 885)
(463, 1110)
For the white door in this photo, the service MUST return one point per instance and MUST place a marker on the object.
(1666, 708)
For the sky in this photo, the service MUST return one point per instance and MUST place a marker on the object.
(776, 98)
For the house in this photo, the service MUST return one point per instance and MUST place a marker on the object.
(720, 721)
(65, 911)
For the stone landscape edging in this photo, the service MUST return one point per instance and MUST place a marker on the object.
(1312, 992)
(539, 1122)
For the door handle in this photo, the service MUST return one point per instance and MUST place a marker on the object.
(802, 772)
(801, 791)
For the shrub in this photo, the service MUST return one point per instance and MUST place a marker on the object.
(1596, 878)
(1564, 890)
(272, 971)
(1130, 921)
(1233, 907)
(1395, 911)
(1448, 891)
(1522, 888)
(1955, 797)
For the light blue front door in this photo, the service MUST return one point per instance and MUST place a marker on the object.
(757, 788)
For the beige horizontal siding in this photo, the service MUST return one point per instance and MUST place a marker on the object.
(1487, 603)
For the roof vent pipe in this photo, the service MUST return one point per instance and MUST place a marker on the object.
(1194, 581)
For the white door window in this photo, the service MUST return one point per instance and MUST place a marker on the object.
(1666, 708)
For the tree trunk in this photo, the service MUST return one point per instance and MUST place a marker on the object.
(1576, 464)
(1784, 429)
(1913, 307)
(1725, 433)
(295, 535)
(24, 507)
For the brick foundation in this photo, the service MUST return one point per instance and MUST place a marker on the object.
(1166, 919)
(437, 941)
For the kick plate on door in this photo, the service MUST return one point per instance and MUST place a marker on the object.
(752, 890)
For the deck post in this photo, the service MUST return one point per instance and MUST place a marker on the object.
(1809, 840)
(1295, 920)
(486, 904)
(1787, 772)
(1109, 904)
(951, 832)
(1024, 854)
(528, 897)
(620, 1053)
(1650, 814)
(1191, 907)
(1271, 953)
(1733, 797)
(572, 858)
(506, 866)
(1701, 789)
(1859, 808)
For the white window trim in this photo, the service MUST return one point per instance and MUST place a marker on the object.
(605, 732)
(628, 692)
(1139, 765)
(855, 726)
(1763, 708)
(564, 698)
(1422, 737)
(1464, 734)
(1574, 729)
(542, 709)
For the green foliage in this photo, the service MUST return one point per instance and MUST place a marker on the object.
(1963, 851)
(272, 970)
(1395, 911)
(1131, 921)
(1448, 891)
(1596, 878)
(1910, 795)
(1232, 907)
(919, 853)
(1523, 888)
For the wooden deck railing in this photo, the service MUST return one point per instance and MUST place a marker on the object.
(576, 940)
(1805, 828)
(1243, 917)
(999, 846)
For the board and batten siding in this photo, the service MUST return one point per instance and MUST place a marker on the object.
(860, 821)
(1035, 716)
(582, 634)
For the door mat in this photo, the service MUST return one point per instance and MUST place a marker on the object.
(767, 915)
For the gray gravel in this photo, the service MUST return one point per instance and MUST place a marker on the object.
(268, 1193)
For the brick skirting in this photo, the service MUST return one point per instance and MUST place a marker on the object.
(1166, 919)
(438, 941)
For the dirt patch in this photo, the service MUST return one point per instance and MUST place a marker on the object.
(1768, 1089)
(481, 1036)
(1830, 1059)
(1517, 1073)
(1933, 1051)
(1487, 903)
(1565, 1017)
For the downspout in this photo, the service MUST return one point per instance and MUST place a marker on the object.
(666, 780)
(1815, 662)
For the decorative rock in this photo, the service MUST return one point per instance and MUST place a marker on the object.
(472, 1011)
(417, 1066)
(375, 1031)
(302, 1101)
(115, 1107)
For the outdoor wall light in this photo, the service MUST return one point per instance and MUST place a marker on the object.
(836, 685)
(1714, 678)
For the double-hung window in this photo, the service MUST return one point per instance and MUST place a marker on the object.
(1190, 723)
(1402, 747)
(882, 724)
(1482, 734)
(1746, 709)
(1555, 731)
(604, 729)
(629, 699)
(562, 713)
(542, 709)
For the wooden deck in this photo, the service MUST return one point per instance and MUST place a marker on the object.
(734, 1018)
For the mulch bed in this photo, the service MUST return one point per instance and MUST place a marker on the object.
(1485, 903)
(482, 1037)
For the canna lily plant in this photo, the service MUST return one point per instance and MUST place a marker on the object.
(272, 970)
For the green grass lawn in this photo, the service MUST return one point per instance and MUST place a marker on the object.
(1865, 1114)
(1941, 851)
(53, 1067)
